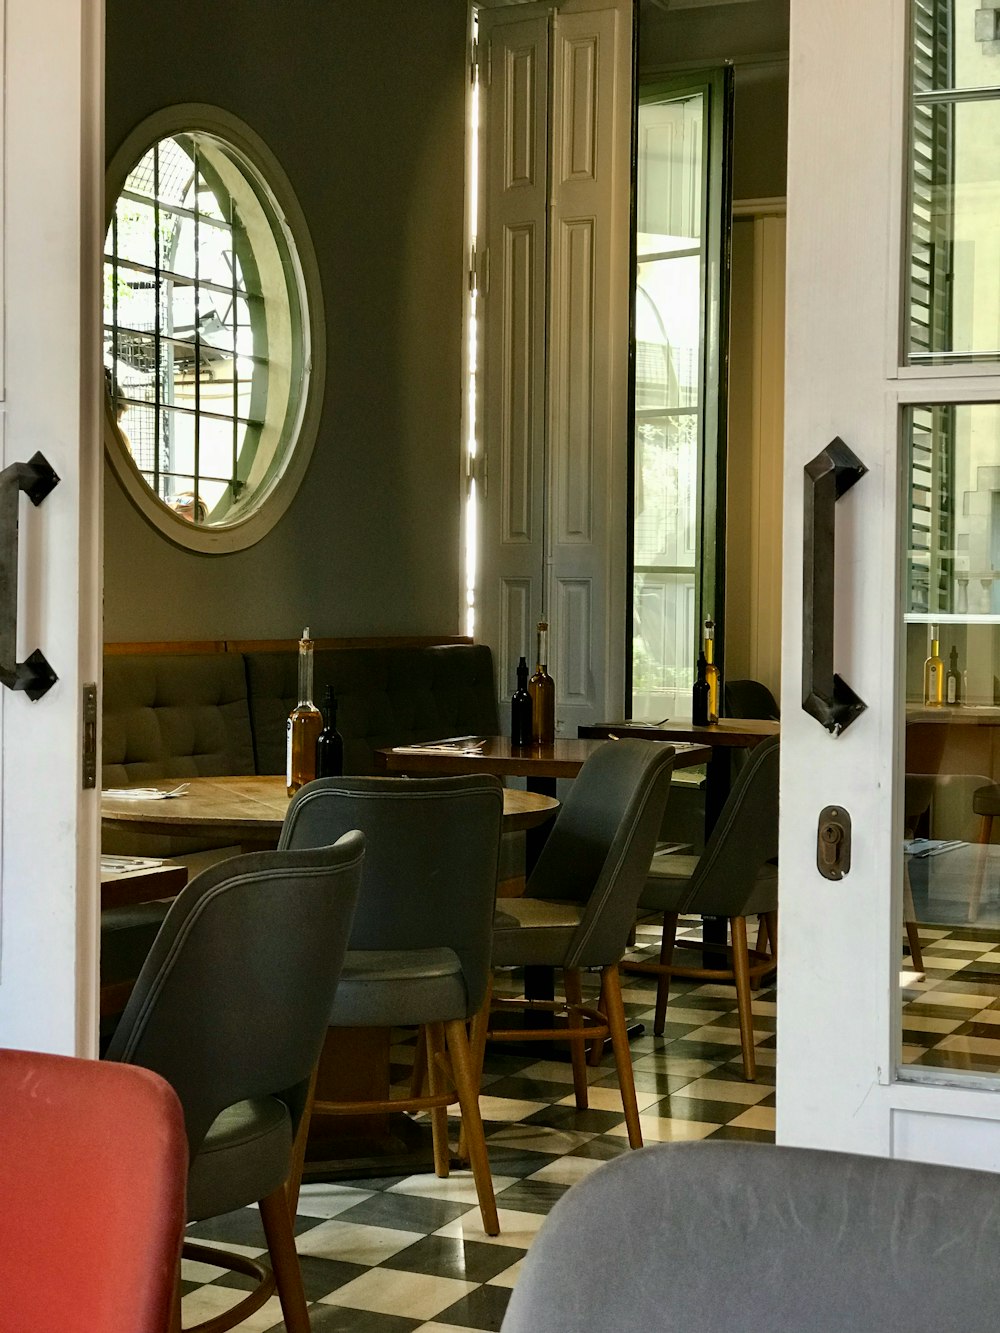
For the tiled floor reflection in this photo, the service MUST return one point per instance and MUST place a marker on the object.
(951, 1010)
(400, 1254)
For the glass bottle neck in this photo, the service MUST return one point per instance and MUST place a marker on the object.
(543, 655)
(305, 673)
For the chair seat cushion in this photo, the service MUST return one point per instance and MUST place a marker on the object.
(399, 988)
(245, 1156)
(534, 931)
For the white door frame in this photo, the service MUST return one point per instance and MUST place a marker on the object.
(52, 221)
(838, 1000)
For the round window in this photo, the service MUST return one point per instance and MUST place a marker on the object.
(213, 329)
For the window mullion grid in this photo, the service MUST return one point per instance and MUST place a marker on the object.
(236, 372)
(114, 311)
(197, 340)
(157, 400)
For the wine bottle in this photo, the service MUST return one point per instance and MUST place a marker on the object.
(542, 690)
(953, 683)
(304, 724)
(934, 673)
(699, 694)
(520, 709)
(711, 673)
(329, 742)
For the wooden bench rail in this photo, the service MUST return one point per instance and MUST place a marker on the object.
(280, 645)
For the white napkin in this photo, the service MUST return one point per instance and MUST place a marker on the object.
(143, 793)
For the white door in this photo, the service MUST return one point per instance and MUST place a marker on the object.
(553, 260)
(51, 221)
(893, 340)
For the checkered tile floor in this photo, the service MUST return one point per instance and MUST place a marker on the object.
(951, 1011)
(407, 1253)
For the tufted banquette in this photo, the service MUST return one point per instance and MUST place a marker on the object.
(222, 710)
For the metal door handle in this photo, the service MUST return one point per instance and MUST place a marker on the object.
(36, 479)
(825, 696)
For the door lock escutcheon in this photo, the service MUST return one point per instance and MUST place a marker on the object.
(833, 842)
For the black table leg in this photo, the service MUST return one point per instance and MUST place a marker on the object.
(718, 779)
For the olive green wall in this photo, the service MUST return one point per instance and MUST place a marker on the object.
(364, 106)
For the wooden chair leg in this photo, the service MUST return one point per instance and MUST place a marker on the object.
(294, 1182)
(577, 1046)
(761, 947)
(982, 864)
(419, 1071)
(175, 1307)
(614, 1012)
(285, 1261)
(772, 935)
(741, 975)
(595, 1054)
(434, 1036)
(663, 980)
(468, 1097)
(478, 1031)
(910, 921)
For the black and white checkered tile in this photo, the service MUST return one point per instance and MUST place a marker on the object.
(951, 1010)
(408, 1253)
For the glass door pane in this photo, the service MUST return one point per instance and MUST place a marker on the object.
(951, 577)
(680, 320)
(954, 299)
(951, 864)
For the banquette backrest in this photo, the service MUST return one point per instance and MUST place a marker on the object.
(385, 696)
(222, 711)
(175, 716)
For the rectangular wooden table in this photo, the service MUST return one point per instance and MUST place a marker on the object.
(721, 738)
(541, 765)
(128, 885)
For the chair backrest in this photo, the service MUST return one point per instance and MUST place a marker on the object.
(744, 839)
(749, 699)
(601, 843)
(234, 997)
(431, 860)
(93, 1165)
(697, 1237)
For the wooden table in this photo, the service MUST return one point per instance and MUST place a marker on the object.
(124, 888)
(250, 811)
(541, 765)
(721, 738)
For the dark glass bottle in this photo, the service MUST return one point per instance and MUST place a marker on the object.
(953, 680)
(520, 709)
(542, 689)
(329, 742)
(699, 694)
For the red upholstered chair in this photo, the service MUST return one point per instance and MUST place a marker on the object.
(93, 1167)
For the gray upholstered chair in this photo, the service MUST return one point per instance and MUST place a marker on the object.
(698, 1237)
(749, 699)
(230, 1008)
(732, 878)
(420, 947)
(579, 905)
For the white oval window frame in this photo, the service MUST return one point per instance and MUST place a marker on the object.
(274, 498)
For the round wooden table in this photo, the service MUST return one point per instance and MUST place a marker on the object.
(251, 810)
